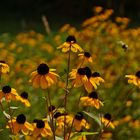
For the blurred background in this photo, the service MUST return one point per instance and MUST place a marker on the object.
(16, 15)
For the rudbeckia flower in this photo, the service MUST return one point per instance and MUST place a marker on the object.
(41, 128)
(134, 79)
(70, 44)
(8, 93)
(79, 122)
(43, 77)
(106, 120)
(24, 99)
(20, 124)
(91, 100)
(86, 57)
(94, 79)
(78, 76)
(4, 68)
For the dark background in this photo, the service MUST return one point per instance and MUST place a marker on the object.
(58, 12)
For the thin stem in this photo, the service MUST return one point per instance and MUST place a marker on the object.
(73, 117)
(67, 91)
(10, 113)
(51, 115)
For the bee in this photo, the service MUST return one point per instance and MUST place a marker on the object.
(123, 45)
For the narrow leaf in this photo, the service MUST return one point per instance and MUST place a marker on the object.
(95, 117)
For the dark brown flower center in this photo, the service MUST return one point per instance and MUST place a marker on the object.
(107, 116)
(81, 71)
(95, 74)
(21, 119)
(71, 39)
(43, 69)
(1, 61)
(87, 54)
(87, 72)
(79, 116)
(93, 95)
(6, 89)
(24, 95)
(40, 124)
(138, 74)
(51, 108)
(57, 114)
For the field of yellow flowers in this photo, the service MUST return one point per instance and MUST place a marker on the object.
(77, 84)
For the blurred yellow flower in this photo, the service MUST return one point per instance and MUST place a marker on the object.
(20, 124)
(41, 128)
(134, 79)
(106, 120)
(91, 100)
(8, 93)
(43, 77)
(70, 44)
(79, 122)
(4, 68)
(24, 99)
(85, 57)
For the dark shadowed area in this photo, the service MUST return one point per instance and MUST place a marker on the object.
(22, 14)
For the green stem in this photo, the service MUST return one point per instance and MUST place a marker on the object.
(51, 116)
(67, 91)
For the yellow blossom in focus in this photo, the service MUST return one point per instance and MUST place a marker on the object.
(70, 44)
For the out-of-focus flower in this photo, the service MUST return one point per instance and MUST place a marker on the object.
(91, 100)
(60, 118)
(20, 124)
(106, 120)
(43, 77)
(134, 79)
(41, 128)
(85, 57)
(4, 68)
(24, 99)
(106, 136)
(97, 9)
(8, 93)
(70, 44)
(79, 122)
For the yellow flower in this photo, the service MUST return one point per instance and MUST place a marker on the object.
(91, 100)
(4, 68)
(85, 57)
(79, 122)
(24, 99)
(94, 79)
(134, 79)
(43, 77)
(78, 76)
(20, 124)
(41, 128)
(60, 119)
(70, 44)
(84, 76)
(8, 93)
(106, 120)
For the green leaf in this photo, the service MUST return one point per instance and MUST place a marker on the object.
(6, 115)
(95, 117)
